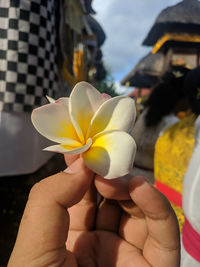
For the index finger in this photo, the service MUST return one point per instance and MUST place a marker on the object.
(117, 189)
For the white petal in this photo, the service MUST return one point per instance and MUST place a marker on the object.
(84, 102)
(117, 113)
(53, 122)
(50, 99)
(66, 149)
(106, 96)
(111, 154)
(64, 101)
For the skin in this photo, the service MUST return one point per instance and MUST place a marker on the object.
(63, 225)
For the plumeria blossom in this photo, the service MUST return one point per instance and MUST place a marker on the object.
(89, 124)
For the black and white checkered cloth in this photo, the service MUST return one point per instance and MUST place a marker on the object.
(28, 53)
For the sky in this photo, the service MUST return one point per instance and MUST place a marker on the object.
(126, 24)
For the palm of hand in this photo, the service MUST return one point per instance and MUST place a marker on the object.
(109, 244)
(115, 234)
(103, 248)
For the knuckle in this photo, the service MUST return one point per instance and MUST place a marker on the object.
(37, 189)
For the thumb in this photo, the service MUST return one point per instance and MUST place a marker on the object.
(45, 222)
(65, 188)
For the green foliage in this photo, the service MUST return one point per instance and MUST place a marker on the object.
(107, 85)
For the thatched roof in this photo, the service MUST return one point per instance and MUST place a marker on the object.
(100, 73)
(146, 72)
(97, 30)
(98, 56)
(88, 7)
(183, 17)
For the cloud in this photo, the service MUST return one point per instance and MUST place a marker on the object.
(126, 24)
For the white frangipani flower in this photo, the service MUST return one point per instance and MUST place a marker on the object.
(87, 124)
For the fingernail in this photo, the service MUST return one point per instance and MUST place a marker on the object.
(75, 167)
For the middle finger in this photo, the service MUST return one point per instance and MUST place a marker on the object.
(133, 226)
(82, 215)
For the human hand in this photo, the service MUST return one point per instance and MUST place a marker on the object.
(136, 228)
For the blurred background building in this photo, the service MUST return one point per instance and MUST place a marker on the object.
(175, 40)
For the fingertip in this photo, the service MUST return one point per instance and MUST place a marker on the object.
(112, 189)
(77, 165)
(69, 159)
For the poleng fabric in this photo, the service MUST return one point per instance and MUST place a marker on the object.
(173, 151)
(28, 72)
(28, 54)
